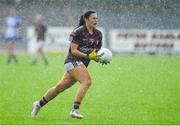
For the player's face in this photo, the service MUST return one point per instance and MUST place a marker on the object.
(92, 20)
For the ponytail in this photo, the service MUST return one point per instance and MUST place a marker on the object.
(81, 21)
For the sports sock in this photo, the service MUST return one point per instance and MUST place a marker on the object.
(34, 61)
(43, 101)
(15, 59)
(8, 60)
(45, 61)
(76, 105)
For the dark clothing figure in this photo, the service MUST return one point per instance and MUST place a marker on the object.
(86, 41)
(40, 30)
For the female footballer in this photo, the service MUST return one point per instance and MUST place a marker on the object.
(40, 32)
(86, 40)
(11, 33)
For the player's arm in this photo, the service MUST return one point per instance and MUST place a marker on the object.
(18, 25)
(76, 52)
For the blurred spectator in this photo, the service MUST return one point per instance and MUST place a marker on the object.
(40, 33)
(11, 32)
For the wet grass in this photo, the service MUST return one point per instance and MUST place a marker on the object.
(130, 90)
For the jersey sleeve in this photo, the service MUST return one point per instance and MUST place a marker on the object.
(75, 37)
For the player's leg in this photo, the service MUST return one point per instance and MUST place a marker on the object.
(10, 52)
(13, 53)
(81, 74)
(43, 56)
(66, 82)
(41, 51)
(36, 56)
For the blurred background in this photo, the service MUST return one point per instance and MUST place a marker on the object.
(128, 26)
(140, 89)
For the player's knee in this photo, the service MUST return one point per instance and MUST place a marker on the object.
(87, 82)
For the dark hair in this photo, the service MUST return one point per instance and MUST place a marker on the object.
(85, 16)
(81, 21)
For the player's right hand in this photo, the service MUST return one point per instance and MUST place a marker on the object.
(93, 56)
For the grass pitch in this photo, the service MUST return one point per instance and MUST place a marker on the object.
(131, 90)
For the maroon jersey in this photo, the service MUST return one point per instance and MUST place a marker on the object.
(86, 43)
(40, 30)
